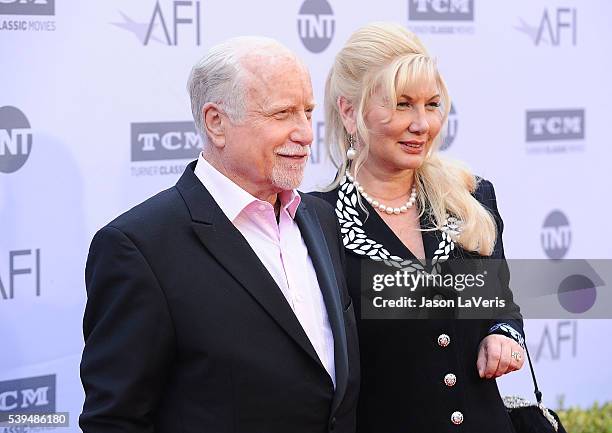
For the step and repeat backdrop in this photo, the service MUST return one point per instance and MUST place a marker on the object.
(95, 118)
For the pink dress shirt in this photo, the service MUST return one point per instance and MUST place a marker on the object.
(282, 251)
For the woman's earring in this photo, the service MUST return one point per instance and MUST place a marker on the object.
(351, 152)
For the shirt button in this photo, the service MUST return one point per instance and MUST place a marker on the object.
(443, 340)
(457, 418)
(450, 379)
(262, 207)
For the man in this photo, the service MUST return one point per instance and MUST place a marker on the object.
(219, 305)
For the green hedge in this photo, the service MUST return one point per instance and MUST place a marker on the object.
(597, 419)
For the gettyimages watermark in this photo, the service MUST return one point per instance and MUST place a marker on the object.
(29, 421)
(488, 289)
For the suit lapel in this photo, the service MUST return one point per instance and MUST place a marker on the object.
(317, 249)
(223, 240)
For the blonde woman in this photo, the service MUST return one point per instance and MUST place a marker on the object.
(399, 202)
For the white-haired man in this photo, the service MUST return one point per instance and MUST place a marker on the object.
(219, 305)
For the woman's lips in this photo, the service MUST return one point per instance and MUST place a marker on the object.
(412, 146)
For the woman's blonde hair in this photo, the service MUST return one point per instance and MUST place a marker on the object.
(388, 57)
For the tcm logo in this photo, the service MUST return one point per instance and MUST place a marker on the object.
(164, 140)
(556, 235)
(451, 131)
(441, 10)
(556, 27)
(27, 7)
(545, 125)
(15, 139)
(166, 25)
(316, 25)
(29, 395)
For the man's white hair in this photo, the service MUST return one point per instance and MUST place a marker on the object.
(217, 77)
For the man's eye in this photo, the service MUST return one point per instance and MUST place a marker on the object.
(282, 114)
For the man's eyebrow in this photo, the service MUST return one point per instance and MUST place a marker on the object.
(282, 107)
(279, 107)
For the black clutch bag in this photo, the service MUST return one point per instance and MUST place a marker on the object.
(530, 417)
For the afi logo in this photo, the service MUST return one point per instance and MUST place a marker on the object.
(164, 140)
(316, 25)
(556, 235)
(184, 18)
(318, 143)
(545, 125)
(554, 28)
(21, 262)
(441, 10)
(27, 7)
(29, 395)
(558, 340)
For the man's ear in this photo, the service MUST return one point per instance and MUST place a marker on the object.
(347, 112)
(214, 123)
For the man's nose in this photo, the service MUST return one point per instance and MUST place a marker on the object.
(302, 133)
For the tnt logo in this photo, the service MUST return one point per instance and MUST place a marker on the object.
(544, 125)
(29, 395)
(15, 139)
(554, 28)
(451, 129)
(156, 141)
(27, 7)
(441, 10)
(316, 25)
(164, 28)
(556, 235)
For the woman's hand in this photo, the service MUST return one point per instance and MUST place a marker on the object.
(498, 355)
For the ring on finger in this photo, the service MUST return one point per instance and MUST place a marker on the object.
(516, 355)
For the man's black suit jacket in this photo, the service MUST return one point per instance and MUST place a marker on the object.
(186, 331)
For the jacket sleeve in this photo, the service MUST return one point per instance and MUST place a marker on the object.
(129, 337)
(510, 321)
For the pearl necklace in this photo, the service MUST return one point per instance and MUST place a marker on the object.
(390, 210)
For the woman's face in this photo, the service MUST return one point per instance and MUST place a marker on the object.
(401, 136)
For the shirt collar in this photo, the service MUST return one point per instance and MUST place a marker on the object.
(231, 198)
(290, 200)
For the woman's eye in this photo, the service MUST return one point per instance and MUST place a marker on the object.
(434, 104)
(403, 104)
